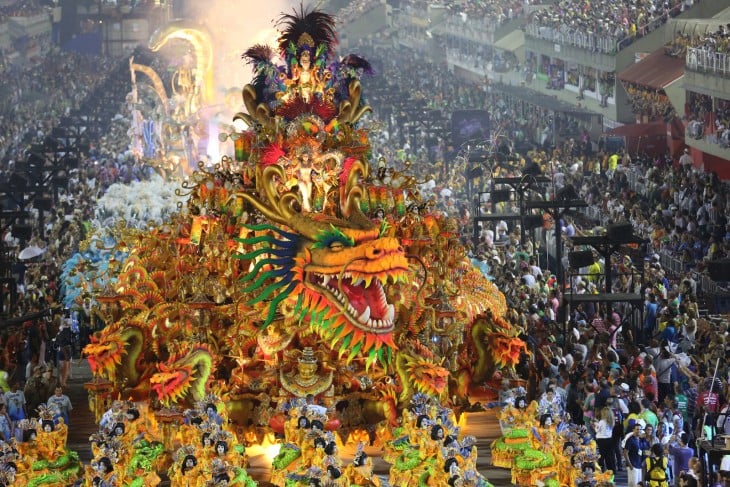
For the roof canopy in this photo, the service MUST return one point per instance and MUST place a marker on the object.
(657, 70)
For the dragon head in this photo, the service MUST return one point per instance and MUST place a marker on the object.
(184, 375)
(325, 270)
(506, 349)
(420, 371)
(105, 353)
(427, 376)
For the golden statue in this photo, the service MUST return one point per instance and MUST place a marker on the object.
(305, 380)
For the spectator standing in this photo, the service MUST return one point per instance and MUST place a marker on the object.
(15, 402)
(61, 404)
(682, 404)
(604, 438)
(656, 467)
(681, 452)
(663, 365)
(692, 393)
(648, 415)
(618, 430)
(686, 160)
(64, 353)
(34, 391)
(6, 424)
(633, 453)
(650, 317)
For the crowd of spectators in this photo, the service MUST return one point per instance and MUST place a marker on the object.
(681, 210)
(356, 9)
(706, 122)
(37, 96)
(39, 337)
(713, 42)
(654, 374)
(445, 93)
(22, 8)
(603, 26)
(598, 368)
(649, 103)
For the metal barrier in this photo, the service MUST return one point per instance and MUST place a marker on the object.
(580, 39)
(701, 59)
(607, 44)
(635, 183)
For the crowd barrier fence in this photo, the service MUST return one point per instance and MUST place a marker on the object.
(702, 59)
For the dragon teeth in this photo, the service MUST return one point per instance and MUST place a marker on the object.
(357, 281)
(326, 280)
(389, 314)
(365, 316)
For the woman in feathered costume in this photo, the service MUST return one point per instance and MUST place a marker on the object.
(309, 82)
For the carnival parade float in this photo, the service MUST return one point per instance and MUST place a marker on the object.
(297, 297)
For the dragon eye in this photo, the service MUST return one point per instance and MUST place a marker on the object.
(333, 239)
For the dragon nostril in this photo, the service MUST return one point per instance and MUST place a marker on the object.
(376, 251)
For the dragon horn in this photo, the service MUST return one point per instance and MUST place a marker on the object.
(202, 45)
(350, 110)
(279, 209)
(352, 194)
(258, 111)
(247, 119)
(156, 82)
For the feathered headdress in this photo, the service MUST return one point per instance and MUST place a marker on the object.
(306, 29)
(28, 424)
(266, 74)
(221, 435)
(315, 414)
(219, 467)
(182, 452)
(112, 449)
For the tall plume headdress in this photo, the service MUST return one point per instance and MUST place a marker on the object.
(306, 30)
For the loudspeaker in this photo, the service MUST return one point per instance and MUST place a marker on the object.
(474, 172)
(619, 232)
(499, 195)
(469, 125)
(531, 169)
(60, 181)
(43, 203)
(532, 221)
(580, 258)
(17, 182)
(567, 193)
(719, 270)
(22, 232)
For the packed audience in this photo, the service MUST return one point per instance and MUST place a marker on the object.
(40, 95)
(356, 9)
(649, 381)
(706, 122)
(649, 103)
(40, 338)
(657, 395)
(22, 8)
(602, 26)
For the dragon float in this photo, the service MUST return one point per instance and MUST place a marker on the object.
(301, 249)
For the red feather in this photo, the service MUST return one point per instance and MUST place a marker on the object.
(346, 168)
(271, 155)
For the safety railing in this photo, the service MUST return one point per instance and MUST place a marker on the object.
(585, 39)
(636, 183)
(703, 60)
